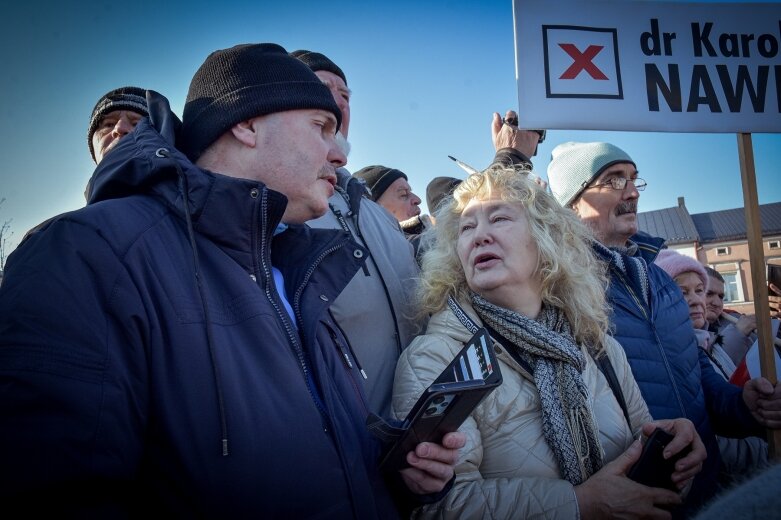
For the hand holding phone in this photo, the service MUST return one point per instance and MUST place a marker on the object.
(652, 469)
(448, 401)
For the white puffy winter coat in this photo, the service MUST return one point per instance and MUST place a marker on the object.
(507, 470)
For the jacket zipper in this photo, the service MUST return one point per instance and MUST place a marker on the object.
(299, 318)
(295, 344)
(340, 218)
(348, 366)
(656, 336)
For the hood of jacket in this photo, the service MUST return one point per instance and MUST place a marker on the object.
(145, 162)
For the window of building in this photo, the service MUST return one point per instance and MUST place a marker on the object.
(732, 292)
(722, 251)
(774, 244)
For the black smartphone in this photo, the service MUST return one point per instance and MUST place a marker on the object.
(652, 469)
(774, 275)
(443, 409)
(447, 402)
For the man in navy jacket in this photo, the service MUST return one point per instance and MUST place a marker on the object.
(168, 348)
(599, 181)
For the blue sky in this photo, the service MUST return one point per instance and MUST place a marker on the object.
(425, 76)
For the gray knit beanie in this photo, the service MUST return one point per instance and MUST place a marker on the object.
(123, 98)
(574, 165)
(243, 82)
(317, 61)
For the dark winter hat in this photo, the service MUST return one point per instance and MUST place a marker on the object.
(317, 61)
(243, 82)
(438, 189)
(125, 98)
(379, 178)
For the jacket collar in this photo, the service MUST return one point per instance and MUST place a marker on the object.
(227, 210)
(446, 323)
(647, 246)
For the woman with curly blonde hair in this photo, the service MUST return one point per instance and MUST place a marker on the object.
(507, 256)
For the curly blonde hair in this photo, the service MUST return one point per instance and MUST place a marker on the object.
(572, 278)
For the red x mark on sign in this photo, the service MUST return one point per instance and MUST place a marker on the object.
(582, 61)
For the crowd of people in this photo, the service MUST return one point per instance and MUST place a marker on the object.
(236, 326)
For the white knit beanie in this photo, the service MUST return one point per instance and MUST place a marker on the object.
(574, 165)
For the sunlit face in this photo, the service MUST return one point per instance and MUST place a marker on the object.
(694, 293)
(497, 251)
(612, 214)
(111, 129)
(714, 299)
(296, 154)
(341, 95)
(400, 201)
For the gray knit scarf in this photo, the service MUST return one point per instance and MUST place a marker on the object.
(548, 346)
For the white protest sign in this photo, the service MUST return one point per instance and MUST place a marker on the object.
(648, 66)
(752, 357)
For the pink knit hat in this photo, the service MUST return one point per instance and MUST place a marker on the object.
(674, 263)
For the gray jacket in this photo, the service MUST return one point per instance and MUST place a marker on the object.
(375, 309)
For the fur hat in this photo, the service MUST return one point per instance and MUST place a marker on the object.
(243, 82)
(123, 98)
(317, 61)
(379, 178)
(438, 189)
(674, 263)
(574, 165)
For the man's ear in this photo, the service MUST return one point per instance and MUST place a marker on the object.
(245, 132)
(575, 206)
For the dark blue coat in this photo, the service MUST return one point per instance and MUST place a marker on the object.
(675, 378)
(130, 385)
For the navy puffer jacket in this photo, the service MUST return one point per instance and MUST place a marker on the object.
(145, 368)
(674, 376)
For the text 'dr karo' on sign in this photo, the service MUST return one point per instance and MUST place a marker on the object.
(649, 66)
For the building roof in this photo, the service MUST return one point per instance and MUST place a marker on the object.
(730, 224)
(677, 226)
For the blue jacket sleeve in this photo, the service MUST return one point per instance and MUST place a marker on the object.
(727, 410)
(72, 389)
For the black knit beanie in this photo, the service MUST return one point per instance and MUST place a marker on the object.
(246, 81)
(379, 178)
(124, 98)
(438, 189)
(317, 61)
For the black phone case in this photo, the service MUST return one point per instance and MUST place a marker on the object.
(652, 469)
(443, 410)
(445, 405)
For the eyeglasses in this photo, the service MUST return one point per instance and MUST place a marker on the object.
(619, 183)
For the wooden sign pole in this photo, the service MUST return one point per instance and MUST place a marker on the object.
(767, 360)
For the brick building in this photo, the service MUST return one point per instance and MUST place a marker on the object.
(718, 239)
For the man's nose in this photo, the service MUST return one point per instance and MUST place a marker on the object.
(630, 190)
(415, 200)
(336, 156)
(123, 126)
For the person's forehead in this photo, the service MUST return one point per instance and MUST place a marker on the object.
(689, 278)
(618, 169)
(487, 205)
(115, 114)
(401, 184)
(332, 80)
(303, 113)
